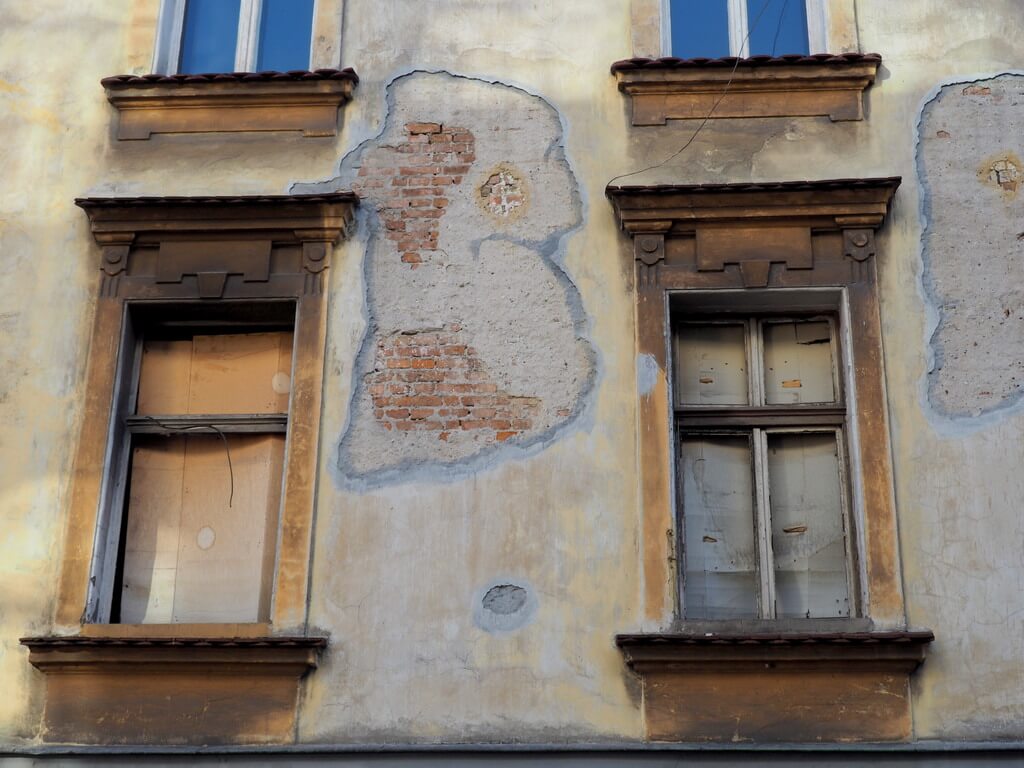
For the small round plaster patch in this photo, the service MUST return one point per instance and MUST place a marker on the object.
(503, 193)
(504, 605)
(281, 383)
(205, 537)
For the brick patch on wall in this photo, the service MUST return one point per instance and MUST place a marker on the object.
(433, 381)
(409, 183)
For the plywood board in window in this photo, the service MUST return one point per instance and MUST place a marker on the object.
(153, 527)
(718, 518)
(241, 373)
(224, 373)
(711, 367)
(196, 551)
(798, 363)
(164, 375)
(808, 532)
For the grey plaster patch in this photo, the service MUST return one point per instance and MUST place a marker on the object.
(970, 136)
(646, 373)
(504, 605)
(498, 286)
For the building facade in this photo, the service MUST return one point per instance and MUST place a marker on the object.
(631, 381)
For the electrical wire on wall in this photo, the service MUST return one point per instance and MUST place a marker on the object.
(725, 90)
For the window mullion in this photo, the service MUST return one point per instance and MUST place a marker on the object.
(739, 43)
(248, 35)
(763, 526)
(817, 26)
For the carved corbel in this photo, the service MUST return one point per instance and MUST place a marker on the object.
(316, 258)
(859, 244)
(648, 248)
(114, 260)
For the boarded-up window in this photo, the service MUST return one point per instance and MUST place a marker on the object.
(200, 525)
(761, 469)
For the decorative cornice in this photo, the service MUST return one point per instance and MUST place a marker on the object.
(322, 217)
(759, 86)
(230, 102)
(217, 247)
(902, 649)
(56, 654)
(754, 225)
(828, 204)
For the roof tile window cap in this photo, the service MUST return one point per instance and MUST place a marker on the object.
(673, 62)
(141, 81)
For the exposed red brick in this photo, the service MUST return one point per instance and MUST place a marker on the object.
(408, 183)
(433, 381)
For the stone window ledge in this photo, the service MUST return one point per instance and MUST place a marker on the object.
(776, 687)
(167, 689)
(759, 86)
(302, 101)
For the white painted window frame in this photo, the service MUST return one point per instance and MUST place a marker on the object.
(171, 24)
(817, 27)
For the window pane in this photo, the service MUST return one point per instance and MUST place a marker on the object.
(209, 36)
(286, 27)
(808, 536)
(700, 28)
(798, 365)
(192, 551)
(777, 27)
(225, 373)
(718, 516)
(711, 365)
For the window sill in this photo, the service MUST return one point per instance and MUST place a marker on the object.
(759, 86)
(232, 102)
(121, 688)
(776, 687)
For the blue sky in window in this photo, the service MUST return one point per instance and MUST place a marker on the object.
(209, 36)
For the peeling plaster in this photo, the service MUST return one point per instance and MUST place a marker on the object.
(959, 415)
(544, 340)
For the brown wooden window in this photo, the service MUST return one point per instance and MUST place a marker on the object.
(762, 479)
(182, 605)
(766, 507)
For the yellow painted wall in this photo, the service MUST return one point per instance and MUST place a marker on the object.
(397, 570)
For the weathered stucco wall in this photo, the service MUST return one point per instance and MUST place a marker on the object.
(414, 534)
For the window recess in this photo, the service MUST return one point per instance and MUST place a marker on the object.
(716, 28)
(203, 428)
(763, 450)
(204, 36)
(762, 474)
(181, 607)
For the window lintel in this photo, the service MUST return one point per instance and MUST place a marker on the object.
(819, 85)
(305, 101)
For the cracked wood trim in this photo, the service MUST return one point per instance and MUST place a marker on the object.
(659, 94)
(760, 237)
(310, 107)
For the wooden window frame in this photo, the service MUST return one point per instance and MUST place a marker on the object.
(203, 250)
(795, 246)
(759, 421)
(171, 24)
(227, 682)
